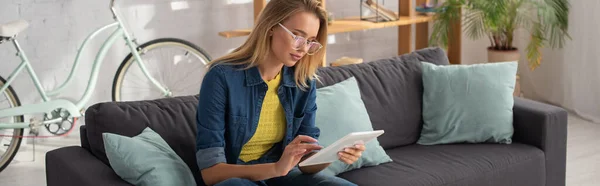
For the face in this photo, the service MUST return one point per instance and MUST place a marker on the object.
(302, 24)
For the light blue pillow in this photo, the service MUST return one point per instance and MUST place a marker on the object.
(146, 159)
(468, 103)
(340, 110)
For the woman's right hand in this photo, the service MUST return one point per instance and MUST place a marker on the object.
(294, 152)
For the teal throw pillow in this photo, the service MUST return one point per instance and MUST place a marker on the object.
(146, 159)
(340, 111)
(468, 103)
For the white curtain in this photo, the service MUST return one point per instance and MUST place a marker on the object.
(569, 77)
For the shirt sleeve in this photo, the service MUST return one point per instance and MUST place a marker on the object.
(210, 140)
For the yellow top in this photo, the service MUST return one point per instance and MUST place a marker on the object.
(271, 125)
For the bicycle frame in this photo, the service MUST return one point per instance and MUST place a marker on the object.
(48, 105)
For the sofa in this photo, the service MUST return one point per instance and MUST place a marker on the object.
(391, 90)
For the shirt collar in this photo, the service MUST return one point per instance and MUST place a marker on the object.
(253, 77)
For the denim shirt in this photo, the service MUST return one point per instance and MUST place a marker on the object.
(229, 107)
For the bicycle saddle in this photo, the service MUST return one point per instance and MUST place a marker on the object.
(13, 28)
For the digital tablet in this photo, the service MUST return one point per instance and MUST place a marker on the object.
(330, 153)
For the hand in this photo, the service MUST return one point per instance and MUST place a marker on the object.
(351, 154)
(293, 153)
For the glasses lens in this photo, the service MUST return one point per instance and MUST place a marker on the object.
(300, 41)
(314, 47)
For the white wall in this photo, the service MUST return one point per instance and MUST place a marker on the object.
(567, 77)
(58, 27)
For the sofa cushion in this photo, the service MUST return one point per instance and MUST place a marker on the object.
(340, 112)
(146, 159)
(468, 103)
(456, 164)
(392, 91)
(173, 118)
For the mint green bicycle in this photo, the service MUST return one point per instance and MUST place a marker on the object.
(160, 68)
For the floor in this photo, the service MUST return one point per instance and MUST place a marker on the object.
(583, 153)
(583, 157)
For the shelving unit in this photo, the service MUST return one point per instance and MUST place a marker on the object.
(408, 17)
(347, 25)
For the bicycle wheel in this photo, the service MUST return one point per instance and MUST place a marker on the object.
(176, 64)
(9, 145)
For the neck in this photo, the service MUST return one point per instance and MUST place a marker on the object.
(269, 69)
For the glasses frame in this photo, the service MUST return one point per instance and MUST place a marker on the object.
(304, 44)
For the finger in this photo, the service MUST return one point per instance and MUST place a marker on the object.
(356, 152)
(306, 153)
(308, 146)
(348, 156)
(360, 147)
(345, 158)
(301, 152)
(298, 151)
(295, 149)
(351, 150)
(303, 138)
(303, 149)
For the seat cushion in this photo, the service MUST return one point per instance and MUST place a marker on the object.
(457, 164)
(13, 28)
(392, 90)
(172, 118)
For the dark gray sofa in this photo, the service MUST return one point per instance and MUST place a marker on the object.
(391, 89)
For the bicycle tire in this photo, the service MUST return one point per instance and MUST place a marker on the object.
(122, 70)
(14, 145)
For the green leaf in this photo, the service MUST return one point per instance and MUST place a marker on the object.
(474, 25)
(534, 55)
(448, 13)
(546, 20)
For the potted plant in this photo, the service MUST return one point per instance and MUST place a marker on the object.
(545, 20)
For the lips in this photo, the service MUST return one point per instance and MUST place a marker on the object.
(296, 57)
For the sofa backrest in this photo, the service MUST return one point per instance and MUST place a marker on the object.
(173, 118)
(392, 91)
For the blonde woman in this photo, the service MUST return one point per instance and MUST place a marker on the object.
(256, 110)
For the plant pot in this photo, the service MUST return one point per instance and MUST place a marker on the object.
(505, 56)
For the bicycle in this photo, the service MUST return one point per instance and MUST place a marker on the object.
(60, 115)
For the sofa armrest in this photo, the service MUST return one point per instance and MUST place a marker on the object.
(543, 126)
(76, 166)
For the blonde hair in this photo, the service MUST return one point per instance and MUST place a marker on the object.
(258, 45)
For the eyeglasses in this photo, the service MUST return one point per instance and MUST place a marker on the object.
(299, 42)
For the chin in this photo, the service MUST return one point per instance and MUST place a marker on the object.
(290, 63)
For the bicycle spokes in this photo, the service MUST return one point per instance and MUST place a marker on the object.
(176, 65)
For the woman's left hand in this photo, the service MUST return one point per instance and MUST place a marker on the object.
(351, 154)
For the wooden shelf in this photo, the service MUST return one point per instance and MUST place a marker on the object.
(355, 24)
(235, 33)
(349, 24)
(408, 16)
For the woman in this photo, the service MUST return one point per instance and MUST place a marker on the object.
(256, 112)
